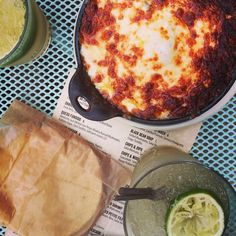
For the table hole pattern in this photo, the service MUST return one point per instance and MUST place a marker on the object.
(216, 143)
(39, 84)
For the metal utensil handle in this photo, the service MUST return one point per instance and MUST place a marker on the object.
(135, 191)
(133, 197)
(126, 194)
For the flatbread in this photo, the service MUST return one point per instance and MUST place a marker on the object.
(69, 198)
(12, 141)
(33, 159)
(52, 182)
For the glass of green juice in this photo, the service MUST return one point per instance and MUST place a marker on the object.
(198, 201)
(24, 32)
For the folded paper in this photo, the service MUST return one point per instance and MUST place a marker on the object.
(52, 182)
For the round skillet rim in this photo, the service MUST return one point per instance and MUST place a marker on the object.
(230, 88)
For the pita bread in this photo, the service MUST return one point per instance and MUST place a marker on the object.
(52, 182)
(60, 193)
(36, 155)
(12, 141)
(69, 198)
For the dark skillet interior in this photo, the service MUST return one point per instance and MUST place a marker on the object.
(99, 108)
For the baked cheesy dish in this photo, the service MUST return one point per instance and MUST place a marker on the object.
(159, 59)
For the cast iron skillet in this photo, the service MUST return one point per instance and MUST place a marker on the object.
(99, 109)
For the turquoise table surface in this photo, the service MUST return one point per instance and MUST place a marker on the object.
(39, 84)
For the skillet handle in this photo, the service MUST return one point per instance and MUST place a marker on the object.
(86, 99)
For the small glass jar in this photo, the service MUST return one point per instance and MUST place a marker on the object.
(180, 173)
(34, 39)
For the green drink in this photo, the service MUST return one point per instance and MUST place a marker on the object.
(198, 202)
(24, 32)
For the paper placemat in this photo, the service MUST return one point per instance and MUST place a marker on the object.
(123, 142)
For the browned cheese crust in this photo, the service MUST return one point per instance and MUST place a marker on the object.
(185, 63)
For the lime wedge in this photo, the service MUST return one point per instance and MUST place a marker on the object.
(195, 213)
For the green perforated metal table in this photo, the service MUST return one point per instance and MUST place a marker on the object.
(40, 83)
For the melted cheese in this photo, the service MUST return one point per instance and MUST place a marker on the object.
(159, 46)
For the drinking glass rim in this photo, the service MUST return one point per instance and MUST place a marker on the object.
(26, 23)
(175, 163)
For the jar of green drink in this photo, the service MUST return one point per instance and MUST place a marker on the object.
(188, 183)
(24, 32)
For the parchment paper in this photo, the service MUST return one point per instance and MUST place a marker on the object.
(52, 181)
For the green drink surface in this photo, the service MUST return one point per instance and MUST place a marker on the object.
(146, 217)
(12, 20)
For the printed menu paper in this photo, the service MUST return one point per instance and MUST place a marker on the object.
(123, 142)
